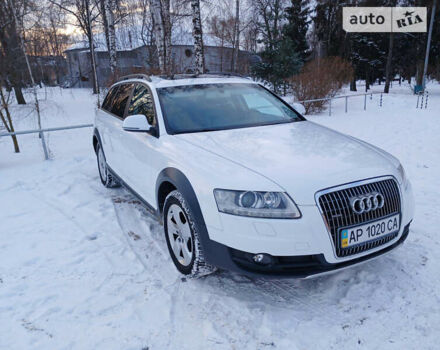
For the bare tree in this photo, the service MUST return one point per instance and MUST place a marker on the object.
(31, 76)
(270, 16)
(108, 17)
(388, 68)
(166, 17)
(85, 14)
(159, 33)
(10, 49)
(5, 116)
(198, 37)
(221, 29)
(236, 35)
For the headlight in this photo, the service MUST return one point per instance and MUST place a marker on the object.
(402, 175)
(277, 205)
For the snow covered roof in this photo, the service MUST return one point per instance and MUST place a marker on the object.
(130, 38)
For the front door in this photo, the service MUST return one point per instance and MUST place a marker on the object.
(141, 149)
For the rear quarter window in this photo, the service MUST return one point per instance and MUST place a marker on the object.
(119, 101)
(108, 101)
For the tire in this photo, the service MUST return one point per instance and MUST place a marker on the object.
(182, 237)
(104, 174)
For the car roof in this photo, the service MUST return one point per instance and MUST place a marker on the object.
(181, 80)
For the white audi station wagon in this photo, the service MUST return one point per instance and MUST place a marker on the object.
(242, 181)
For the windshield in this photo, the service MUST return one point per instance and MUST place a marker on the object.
(208, 107)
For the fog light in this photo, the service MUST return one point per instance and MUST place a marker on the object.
(262, 259)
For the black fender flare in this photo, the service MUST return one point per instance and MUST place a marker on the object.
(98, 138)
(181, 182)
(215, 253)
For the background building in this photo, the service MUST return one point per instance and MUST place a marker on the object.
(135, 56)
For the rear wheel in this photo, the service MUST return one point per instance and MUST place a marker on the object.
(182, 237)
(106, 177)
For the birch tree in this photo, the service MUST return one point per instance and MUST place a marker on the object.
(159, 33)
(108, 18)
(166, 17)
(236, 35)
(198, 37)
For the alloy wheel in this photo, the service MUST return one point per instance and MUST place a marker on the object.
(179, 234)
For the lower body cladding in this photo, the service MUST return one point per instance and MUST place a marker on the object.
(298, 266)
(307, 246)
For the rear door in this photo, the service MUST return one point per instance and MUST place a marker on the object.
(114, 132)
(103, 121)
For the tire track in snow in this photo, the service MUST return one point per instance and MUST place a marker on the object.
(142, 233)
(152, 252)
(304, 298)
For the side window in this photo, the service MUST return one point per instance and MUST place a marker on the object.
(142, 103)
(107, 104)
(121, 99)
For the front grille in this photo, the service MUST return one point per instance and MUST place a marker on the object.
(335, 206)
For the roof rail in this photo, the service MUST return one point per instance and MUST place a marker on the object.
(227, 74)
(202, 75)
(135, 76)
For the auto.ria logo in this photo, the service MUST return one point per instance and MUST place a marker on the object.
(384, 19)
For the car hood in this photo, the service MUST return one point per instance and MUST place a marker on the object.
(302, 157)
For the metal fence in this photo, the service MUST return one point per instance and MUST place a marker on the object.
(39, 131)
(346, 97)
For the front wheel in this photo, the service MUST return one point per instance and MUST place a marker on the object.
(182, 237)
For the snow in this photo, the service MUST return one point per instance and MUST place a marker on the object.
(85, 267)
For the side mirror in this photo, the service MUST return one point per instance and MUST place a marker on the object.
(137, 122)
(299, 108)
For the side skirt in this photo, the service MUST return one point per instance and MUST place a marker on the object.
(147, 205)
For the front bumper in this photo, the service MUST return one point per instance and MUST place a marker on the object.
(302, 266)
(298, 248)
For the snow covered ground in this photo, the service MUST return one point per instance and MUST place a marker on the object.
(84, 267)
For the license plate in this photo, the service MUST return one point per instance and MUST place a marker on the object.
(367, 232)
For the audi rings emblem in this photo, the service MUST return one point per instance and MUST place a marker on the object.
(367, 202)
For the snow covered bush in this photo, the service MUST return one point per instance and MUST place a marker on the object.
(320, 78)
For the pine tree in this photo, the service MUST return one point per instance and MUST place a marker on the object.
(279, 62)
(280, 58)
(297, 16)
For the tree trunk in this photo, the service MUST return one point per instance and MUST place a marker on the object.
(236, 35)
(388, 66)
(7, 122)
(159, 32)
(419, 72)
(91, 49)
(108, 17)
(221, 49)
(367, 80)
(93, 65)
(102, 4)
(353, 84)
(167, 35)
(19, 95)
(198, 37)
